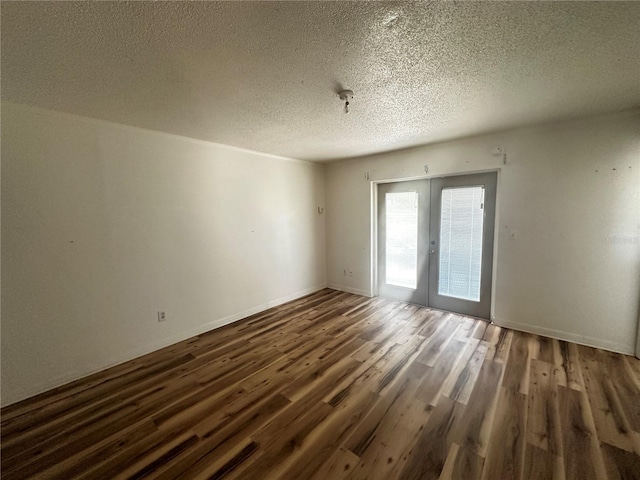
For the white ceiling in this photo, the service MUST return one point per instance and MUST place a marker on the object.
(265, 76)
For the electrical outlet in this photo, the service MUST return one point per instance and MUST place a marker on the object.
(162, 316)
(350, 273)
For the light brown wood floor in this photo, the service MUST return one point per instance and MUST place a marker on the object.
(337, 386)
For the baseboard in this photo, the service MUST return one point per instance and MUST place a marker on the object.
(355, 291)
(566, 336)
(157, 345)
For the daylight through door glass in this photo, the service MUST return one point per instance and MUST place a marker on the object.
(402, 239)
(461, 224)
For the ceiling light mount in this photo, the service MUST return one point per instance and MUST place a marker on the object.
(346, 96)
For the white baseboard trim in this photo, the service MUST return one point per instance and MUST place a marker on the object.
(566, 336)
(355, 291)
(154, 346)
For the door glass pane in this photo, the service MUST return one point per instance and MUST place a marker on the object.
(402, 239)
(461, 222)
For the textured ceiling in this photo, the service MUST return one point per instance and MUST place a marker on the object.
(265, 76)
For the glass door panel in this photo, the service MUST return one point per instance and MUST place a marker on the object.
(461, 222)
(403, 236)
(401, 250)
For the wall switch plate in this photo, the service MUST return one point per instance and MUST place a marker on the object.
(162, 316)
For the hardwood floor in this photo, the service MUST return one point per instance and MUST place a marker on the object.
(338, 386)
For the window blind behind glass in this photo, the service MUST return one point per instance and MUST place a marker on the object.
(461, 227)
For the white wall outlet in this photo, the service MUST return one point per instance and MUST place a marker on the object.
(162, 316)
(350, 273)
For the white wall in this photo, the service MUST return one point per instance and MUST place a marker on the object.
(571, 190)
(211, 233)
(638, 339)
(104, 225)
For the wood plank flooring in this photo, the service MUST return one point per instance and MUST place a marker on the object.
(337, 386)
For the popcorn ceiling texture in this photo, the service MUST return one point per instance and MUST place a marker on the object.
(265, 76)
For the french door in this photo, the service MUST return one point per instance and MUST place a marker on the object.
(435, 242)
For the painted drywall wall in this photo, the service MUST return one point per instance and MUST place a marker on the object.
(105, 225)
(569, 190)
(638, 340)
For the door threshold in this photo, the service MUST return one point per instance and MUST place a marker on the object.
(437, 309)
